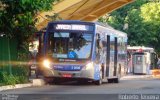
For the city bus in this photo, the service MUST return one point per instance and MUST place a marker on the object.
(83, 51)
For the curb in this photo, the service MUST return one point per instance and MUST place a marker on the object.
(137, 77)
(38, 82)
(8, 87)
(156, 76)
(34, 82)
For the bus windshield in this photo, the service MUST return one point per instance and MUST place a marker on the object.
(70, 45)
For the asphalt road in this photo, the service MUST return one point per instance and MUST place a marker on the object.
(127, 89)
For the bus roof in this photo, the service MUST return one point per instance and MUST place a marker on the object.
(108, 27)
(70, 22)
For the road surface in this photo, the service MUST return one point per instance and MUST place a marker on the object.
(127, 89)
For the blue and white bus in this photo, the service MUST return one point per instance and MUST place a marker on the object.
(83, 51)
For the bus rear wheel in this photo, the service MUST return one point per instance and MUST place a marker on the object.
(116, 80)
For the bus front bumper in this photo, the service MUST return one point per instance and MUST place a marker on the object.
(85, 74)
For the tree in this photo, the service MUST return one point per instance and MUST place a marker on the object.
(140, 20)
(17, 19)
(119, 18)
(150, 13)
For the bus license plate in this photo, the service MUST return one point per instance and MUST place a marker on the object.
(67, 75)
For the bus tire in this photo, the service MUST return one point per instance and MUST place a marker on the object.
(110, 80)
(116, 80)
(56, 81)
(99, 82)
(48, 80)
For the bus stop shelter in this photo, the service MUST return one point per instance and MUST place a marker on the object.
(85, 10)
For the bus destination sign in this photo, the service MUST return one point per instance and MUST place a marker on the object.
(73, 27)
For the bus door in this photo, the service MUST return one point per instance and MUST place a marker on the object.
(115, 57)
(108, 56)
(112, 56)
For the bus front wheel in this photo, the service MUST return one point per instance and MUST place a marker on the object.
(48, 80)
(99, 82)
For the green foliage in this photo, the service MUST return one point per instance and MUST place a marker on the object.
(17, 19)
(118, 18)
(8, 79)
(150, 12)
(140, 20)
(19, 75)
(135, 28)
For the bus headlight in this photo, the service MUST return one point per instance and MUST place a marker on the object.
(46, 63)
(89, 66)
